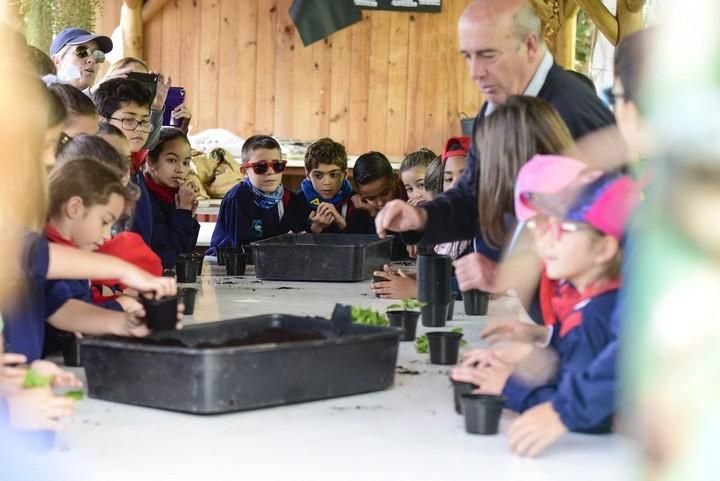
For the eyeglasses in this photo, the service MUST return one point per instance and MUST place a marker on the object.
(134, 124)
(262, 167)
(83, 51)
(612, 96)
(556, 227)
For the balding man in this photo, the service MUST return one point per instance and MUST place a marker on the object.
(503, 45)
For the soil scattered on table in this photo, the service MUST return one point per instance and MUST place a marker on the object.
(404, 370)
(286, 288)
(356, 408)
(274, 335)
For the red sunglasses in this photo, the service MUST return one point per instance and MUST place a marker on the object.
(262, 167)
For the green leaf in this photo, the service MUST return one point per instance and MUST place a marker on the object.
(459, 330)
(76, 395)
(395, 307)
(368, 316)
(33, 380)
(421, 345)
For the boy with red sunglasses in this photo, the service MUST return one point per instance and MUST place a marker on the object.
(260, 206)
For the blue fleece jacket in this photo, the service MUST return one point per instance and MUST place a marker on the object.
(143, 214)
(174, 231)
(240, 221)
(579, 337)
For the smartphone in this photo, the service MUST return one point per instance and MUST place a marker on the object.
(175, 97)
(149, 80)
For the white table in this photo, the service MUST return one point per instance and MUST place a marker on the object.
(408, 432)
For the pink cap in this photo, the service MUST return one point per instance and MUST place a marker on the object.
(543, 174)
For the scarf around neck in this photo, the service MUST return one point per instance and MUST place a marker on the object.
(265, 200)
(314, 199)
(54, 235)
(162, 192)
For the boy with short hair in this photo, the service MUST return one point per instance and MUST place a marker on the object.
(328, 192)
(125, 104)
(260, 206)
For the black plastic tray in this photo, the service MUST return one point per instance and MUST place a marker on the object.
(321, 257)
(207, 380)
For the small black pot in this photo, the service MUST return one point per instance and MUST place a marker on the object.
(198, 258)
(186, 270)
(434, 315)
(407, 320)
(434, 274)
(248, 249)
(220, 254)
(460, 388)
(72, 354)
(161, 314)
(476, 302)
(451, 310)
(482, 413)
(235, 262)
(444, 347)
(188, 295)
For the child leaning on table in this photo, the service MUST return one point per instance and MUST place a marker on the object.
(260, 206)
(328, 191)
(581, 250)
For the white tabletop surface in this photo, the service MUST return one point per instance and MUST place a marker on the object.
(408, 432)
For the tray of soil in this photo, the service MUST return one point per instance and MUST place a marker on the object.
(241, 364)
(321, 257)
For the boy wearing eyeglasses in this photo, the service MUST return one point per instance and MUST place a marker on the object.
(578, 231)
(125, 104)
(76, 54)
(260, 206)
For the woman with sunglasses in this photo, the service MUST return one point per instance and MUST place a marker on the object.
(77, 54)
(260, 206)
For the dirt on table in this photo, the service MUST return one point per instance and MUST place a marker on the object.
(273, 335)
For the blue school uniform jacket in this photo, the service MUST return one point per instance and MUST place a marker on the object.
(240, 221)
(142, 215)
(581, 332)
(24, 331)
(174, 231)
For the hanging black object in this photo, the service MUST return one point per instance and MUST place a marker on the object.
(317, 19)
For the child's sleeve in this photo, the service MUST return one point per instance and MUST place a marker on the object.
(520, 396)
(232, 225)
(156, 118)
(360, 222)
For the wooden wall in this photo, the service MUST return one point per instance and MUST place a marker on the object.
(394, 82)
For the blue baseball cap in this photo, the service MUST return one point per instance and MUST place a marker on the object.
(77, 36)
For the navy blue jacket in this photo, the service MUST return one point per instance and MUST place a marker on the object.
(579, 339)
(174, 231)
(25, 322)
(453, 215)
(240, 221)
(143, 214)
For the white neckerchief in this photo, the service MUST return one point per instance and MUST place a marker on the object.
(536, 82)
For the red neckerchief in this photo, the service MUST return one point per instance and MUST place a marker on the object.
(559, 299)
(138, 159)
(53, 235)
(162, 192)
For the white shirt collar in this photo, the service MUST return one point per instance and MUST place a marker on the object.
(536, 82)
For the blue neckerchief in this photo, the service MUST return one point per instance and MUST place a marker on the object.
(265, 200)
(314, 200)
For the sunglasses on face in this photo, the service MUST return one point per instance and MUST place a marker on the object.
(262, 167)
(83, 51)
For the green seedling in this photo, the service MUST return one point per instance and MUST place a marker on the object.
(33, 380)
(407, 304)
(459, 330)
(76, 395)
(369, 316)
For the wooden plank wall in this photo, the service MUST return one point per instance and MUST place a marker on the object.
(394, 82)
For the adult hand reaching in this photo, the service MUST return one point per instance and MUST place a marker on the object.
(398, 216)
(475, 271)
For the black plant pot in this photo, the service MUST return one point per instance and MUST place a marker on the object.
(482, 413)
(444, 347)
(460, 388)
(188, 296)
(235, 262)
(434, 315)
(161, 314)
(476, 302)
(186, 270)
(407, 320)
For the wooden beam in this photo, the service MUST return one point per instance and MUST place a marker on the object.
(605, 21)
(132, 28)
(10, 14)
(151, 8)
(630, 17)
(565, 40)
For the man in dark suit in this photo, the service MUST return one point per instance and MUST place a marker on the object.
(503, 45)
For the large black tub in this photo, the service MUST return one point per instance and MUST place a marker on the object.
(241, 364)
(321, 257)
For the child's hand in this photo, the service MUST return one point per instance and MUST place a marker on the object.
(135, 325)
(412, 251)
(128, 304)
(477, 358)
(138, 279)
(397, 286)
(161, 91)
(327, 208)
(535, 430)
(362, 204)
(38, 409)
(186, 198)
(11, 378)
(61, 378)
(181, 112)
(490, 374)
(515, 331)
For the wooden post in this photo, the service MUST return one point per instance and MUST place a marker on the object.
(630, 17)
(132, 28)
(10, 14)
(566, 37)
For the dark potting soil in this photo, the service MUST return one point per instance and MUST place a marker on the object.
(404, 370)
(273, 335)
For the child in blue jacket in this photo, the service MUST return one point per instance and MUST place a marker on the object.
(260, 206)
(174, 200)
(580, 248)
